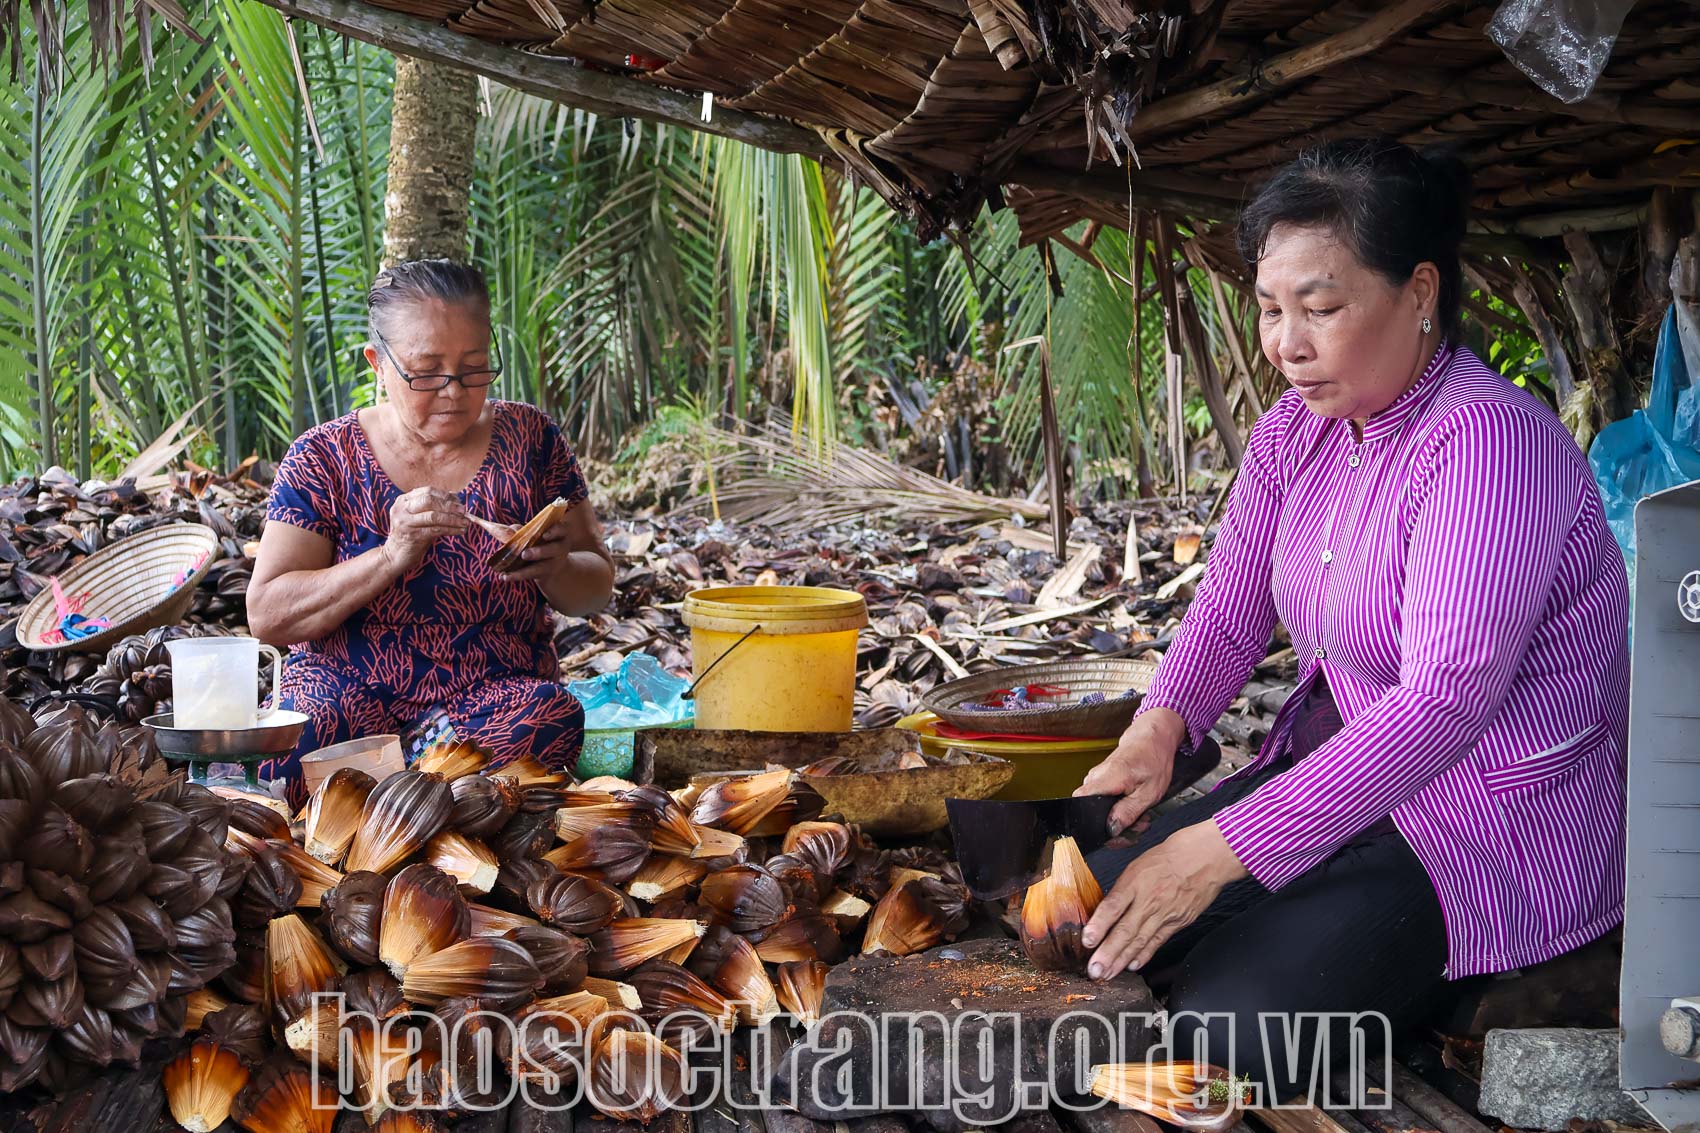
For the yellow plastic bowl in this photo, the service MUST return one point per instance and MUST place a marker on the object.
(1042, 770)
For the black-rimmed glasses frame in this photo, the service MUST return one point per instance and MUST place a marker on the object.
(430, 383)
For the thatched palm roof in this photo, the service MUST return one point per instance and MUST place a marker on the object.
(942, 104)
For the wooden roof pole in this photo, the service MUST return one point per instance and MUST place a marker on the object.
(560, 79)
(1598, 107)
(1281, 71)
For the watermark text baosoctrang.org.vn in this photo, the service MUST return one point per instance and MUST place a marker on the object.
(978, 1065)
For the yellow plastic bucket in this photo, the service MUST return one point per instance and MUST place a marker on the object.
(1043, 770)
(790, 657)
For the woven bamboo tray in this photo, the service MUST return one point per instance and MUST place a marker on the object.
(1111, 676)
(129, 583)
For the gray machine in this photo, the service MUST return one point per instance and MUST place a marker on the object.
(1659, 1003)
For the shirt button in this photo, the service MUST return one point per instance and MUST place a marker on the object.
(1353, 460)
(1321, 653)
(1327, 557)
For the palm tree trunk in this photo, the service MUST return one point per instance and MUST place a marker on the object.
(433, 128)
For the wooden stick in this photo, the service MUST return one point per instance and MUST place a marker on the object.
(1282, 71)
(1448, 1116)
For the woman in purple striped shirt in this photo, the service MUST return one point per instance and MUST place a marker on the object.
(1443, 794)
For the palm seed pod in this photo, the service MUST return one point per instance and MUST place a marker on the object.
(423, 912)
(913, 917)
(800, 938)
(94, 801)
(201, 1085)
(11, 972)
(823, 846)
(630, 941)
(573, 821)
(23, 1053)
(89, 1037)
(63, 750)
(201, 1004)
(739, 804)
(49, 959)
(374, 992)
(667, 989)
(270, 888)
(491, 969)
(206, 939)
(518, 875)
(279, 1099)
(613, 853)
(317, 878)
(246, 979)
(258, 820)
(59, 843)
(742, 978)
(47, 1003)
(719, 848)
(634, 1076)
(801, 985)
(1055, 910)
(529, 771)
(315, 1036)
(15, 818)
(401, 814)
(333, 813)
(165, 829)
(26, 918)
(353, 914)
(745, 898)
(105, 949)
(673, 831)
(489, 921)
(453, 760)
(241, 1028)
(526, 835)
(19, 779)
(299, 966)
(665, 875)
(579, 905)
(121, 865)
(482, 804)
(563, 959)
(471, 863)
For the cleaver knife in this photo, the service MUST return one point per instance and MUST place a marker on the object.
(1000, 843)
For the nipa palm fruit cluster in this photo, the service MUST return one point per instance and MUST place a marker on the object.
(604, 906)
(116, 891)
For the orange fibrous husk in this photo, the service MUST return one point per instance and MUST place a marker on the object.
(742, 978)
(423, 912)
(529, 771)
(507, 557)
(401, 814)
(739, 804)
(332, 814)
(573, 821)
(380, 1056)
(299, 965)
(201, 1084)
(1193, 1095)
(663, 876)
(801, 985)
(279, 1099)
(1055, 910)
(907, 920)
(714, 844)
(630, 941)
(634, 1076)
(315, 1035)
(315, 875)
(199, 1004)
(453, 759)
(619, 996)
(470, 862)
(487, 921)
(613, 853)
(487, 968)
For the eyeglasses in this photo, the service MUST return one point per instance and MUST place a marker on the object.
(426, 383)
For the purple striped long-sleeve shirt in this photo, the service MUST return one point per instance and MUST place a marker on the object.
(1453, 574)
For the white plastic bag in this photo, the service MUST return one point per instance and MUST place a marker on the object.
(1561, 44)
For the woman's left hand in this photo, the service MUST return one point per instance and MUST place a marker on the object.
(1160, 892)
(544, 558)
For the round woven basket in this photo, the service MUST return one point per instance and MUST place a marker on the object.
(1111, 676)
(129, 584)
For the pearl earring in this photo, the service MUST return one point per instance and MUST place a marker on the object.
(1427, 326)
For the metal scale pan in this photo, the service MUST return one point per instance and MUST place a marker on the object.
(198, 747)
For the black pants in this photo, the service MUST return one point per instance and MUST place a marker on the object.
(1361, 932)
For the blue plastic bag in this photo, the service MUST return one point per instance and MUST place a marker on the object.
(639, 694)
(1654, 448)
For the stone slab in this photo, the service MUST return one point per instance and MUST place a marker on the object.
(1544, 1077)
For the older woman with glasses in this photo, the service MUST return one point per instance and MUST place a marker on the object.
(373, 570)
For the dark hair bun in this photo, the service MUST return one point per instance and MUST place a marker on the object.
(1394, 206)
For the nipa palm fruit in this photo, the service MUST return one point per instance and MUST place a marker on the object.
(823, 846)
(666, 989)
(561, 958)
(401, 814)
(374, 992)
(741, 977)
(801, 985)
(745, 898)
(270, 889)
(1055, 911)
(673, 831)
(299, 965)
(488, 921)
(453, 759)
(631, 941)
(353, 914)
(489, 968)
(811, 937)
(333, 813)
(739, 804)
(613, 853)
(548, 1041)
(423, 912)
(471, 863)
(317, 878)
(279, 1099)
(202, 1084)
(509, 556)
(380, 1057)
(913, 917)
(665, 875)
(201, 1004)
(482, 804)
(573, 821)
(634, 1076)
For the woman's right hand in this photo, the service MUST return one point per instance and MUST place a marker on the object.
(1140, 768)
(418, 519)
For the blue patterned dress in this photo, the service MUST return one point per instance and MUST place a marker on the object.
(447, 635)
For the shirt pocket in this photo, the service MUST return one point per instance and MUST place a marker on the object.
(1531, 772)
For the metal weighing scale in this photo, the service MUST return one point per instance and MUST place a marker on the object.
(273, 738)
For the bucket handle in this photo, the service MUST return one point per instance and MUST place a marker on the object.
(690, 693)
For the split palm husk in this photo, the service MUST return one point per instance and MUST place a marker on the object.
(719, 846)
(801, 986)
(380, 1057)
(316, 1034)
(620, 996)
(664, 876)
(353, 915)
(740, 803)
(1193, 1095)
(1055, 911)
(471, 863)
(201, 1085)
(613, 853)
(488, 968)
(333, 813)
(508, 556)
(299, 966)
(914, 916)
(634, 1076)
(741, 977)
(745, 898)
(487, 921)
(575, 904)
(847, 910)
(483, 804)
(629, 942)
(810, 937)
(673, 831)
(279, 1099)
(573, 821)
(454, 759)
(423, 913)
(401, 814)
